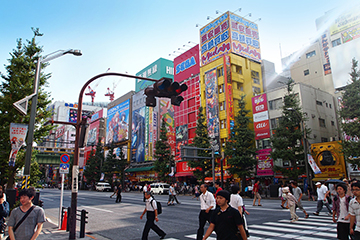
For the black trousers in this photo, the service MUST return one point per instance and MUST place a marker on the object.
(203, 217)
(150, 224)
(118, 198)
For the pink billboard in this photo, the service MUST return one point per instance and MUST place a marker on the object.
(265, 163)
(260, 117)
(187, 64)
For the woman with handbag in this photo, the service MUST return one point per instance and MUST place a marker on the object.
(4, 212)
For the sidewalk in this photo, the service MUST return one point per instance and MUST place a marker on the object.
(50, 231)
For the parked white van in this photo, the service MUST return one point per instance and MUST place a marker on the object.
(103, 186)
(159, 188)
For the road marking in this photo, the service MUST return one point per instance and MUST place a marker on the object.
(99, 209)
(47, 199)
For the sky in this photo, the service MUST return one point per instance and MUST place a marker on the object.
(127, 36)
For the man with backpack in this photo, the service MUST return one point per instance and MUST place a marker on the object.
(151, 210)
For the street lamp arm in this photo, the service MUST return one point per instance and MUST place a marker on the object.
(59, 53)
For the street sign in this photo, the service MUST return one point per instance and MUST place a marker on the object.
(22, 104)
(65, 158)
(64, 168)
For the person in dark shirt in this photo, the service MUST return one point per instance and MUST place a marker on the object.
(226, 220)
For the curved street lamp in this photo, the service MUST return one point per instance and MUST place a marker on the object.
(30, 138)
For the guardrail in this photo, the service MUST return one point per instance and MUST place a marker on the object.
(81, 215)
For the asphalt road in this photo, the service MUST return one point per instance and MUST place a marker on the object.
(119, 221)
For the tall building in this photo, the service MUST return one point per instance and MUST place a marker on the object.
(187, 70)
(230, 68)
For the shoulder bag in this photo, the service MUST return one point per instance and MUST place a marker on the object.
(21, 220)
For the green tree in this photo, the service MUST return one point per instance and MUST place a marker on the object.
(201, 140)
(240, 147)
(93, 165)
(16, 84)
(114, 164)
(288, 135)
(164, 159)
(349, 114)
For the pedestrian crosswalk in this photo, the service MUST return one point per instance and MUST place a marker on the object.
(314, 228)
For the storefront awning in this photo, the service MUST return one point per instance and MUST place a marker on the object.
(184, 174)
(317, 179)
(139, 169)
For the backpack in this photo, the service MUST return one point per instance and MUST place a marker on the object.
(158, 205)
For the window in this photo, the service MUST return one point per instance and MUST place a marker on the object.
(221, 88)
(256, 90)
(222, 124)
(322, 122)
(263, 143)
(238, 69)
(191, 102)
(191, 133)
(311, 54)
(324, 139)
(326, 104)
(220, 72)
(222, 106)
(332, 123)
(318, 103)
(329, 105)
(239, 86)
(191, 117)
(275, 122)
(255, 77)
(275, 104)
(306, 72)
(336, 42)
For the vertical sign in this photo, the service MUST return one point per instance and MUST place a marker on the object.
(228, 93)
(17, 138)
(260, 117)
(212, 108)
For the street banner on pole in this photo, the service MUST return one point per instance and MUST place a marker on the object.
(313, 164)
(18, 133)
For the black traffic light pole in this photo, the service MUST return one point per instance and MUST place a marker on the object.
(75, 170)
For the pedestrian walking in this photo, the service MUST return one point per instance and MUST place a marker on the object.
(354, 210)
(237, 202)
(256, 193)
(4, 212)
(218, 188)
(196, 192)
(226, 220)
(26, 221)
(171, 197)
(145, 189)
(207, 205)
(151, 216)
(173, 192)
(292, 204)
(283, 199)
(322, 193)
(298, 195)
(118, 194)
(341, 212)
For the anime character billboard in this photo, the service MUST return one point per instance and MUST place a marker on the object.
(181, 139)
(138, 135)
(117, 125)
(212, 108)
(18, 133)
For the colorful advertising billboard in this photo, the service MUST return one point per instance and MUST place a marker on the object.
(73, 115)
(229, 94)
(212, 108)
(181, 139)
(167, 113)
(117, 124)
(265, 163)
(93, 134)
(229, 33)
(18, 133)
(187, 64)
(138, 135)
(346, 21)
(260, 117)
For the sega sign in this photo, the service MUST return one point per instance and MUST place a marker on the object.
(187, 64)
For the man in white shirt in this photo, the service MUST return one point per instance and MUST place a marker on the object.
(322, 192)
(207, 204)
(151, 215)
(354, 210)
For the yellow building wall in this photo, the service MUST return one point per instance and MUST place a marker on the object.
(242, 79)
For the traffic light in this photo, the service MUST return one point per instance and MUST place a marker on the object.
(165, 88)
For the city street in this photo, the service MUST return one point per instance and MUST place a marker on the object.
(110, 220)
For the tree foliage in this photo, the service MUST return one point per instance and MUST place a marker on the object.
(201, 140)
(164, 159)
(349, 114)
(114, 164)
(16, 84)
(287, 139)
(240, 147)
(93, 165)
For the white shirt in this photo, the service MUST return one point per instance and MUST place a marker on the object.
(145, 189)
(343, 210)
(321, 192)
(354, 210)
(207, 200)
(150, 207)
(236, 201)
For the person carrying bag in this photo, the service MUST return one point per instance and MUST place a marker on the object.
(4, 212)
(21, 221)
